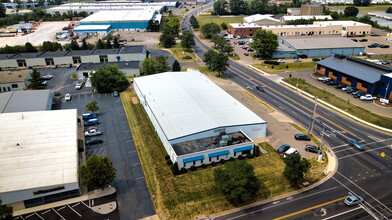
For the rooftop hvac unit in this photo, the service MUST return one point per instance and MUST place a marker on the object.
(226, 137)
(222, 143)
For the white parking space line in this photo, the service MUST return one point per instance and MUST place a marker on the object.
(142, 177)
(135, 164)
(273, 144)
(129, 141)
(85, 204)
(39, 216)
(58, 214)
(76, 204)
(61, 208)
(30, 215)
(342, 213)
(74, 211)
(46, 212)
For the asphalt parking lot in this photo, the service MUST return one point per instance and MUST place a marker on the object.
(79, 210)
(133, 199)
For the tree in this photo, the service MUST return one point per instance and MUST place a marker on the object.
(224, 26)
(216, 61)
(351, 11)
(389, 10)
(115, 43)
(84, 45)
(2, 11)
(176, 66)
(100, 44)
(35, 79)
(187, 40)
(74, 45)
(51, 46)
(92, 106)
(194, 22)
(362, 2)
(108, 79)
(165, 8)
(108, 44)
(167, 39)
(236, 7)
(237, 181)
(30, 48)
(149, 66)
(295, 169)
(178, 4)
(220, 7)
(209, 29)
(6, 211)
(161, 64)
(265, 42)
(98, 172)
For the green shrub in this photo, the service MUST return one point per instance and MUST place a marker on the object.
(193, 168)
(183, 170)
(250, 156)
(204, 166)
(167, 157)
(232, 159)
(169, 162)
(273, 62)
(222, 161)
(174, 169)
(240, 157)
(256, 151)
(213, 163)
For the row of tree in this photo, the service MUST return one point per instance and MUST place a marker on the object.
(238, 7)
(170, 31)
(158, 65)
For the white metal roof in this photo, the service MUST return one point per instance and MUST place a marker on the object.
(292, 18)
(92, 27)
(120, 16)
(257, 17)
(348, 23)
(38, 149)
(245, 25)
(185, 103)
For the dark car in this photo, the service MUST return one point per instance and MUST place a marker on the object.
(363, 40)
(316, 59)
(355, 143)
(260, 88)
(313, 149)
(339, 86)
(350, 90)
(359, 94)
(283, 148)
(355, 40)
(372, 45)
(383, 46)
(92, 141)
(302, 137)
(332, 82)
(326, 81)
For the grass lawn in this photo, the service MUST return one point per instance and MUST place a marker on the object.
(179, 53)
(370, 8)
(194, 193)
(283, 67)
(342, 104)
(203, 69)
(204, 19)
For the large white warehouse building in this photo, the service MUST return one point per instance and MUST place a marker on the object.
(197, 121)
(39, 157)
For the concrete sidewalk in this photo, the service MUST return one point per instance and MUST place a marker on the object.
(103, 209)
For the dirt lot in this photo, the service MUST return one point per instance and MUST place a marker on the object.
(150, 39)
(44, 32)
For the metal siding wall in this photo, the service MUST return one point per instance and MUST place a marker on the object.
(36, 62)
(8, 63)
(62, 60)
(91, 58)
(121, 25)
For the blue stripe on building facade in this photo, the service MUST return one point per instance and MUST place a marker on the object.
(220, 153)
(243, 149)
(122, 25)
(191, 159)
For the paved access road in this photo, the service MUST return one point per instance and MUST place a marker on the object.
(363, 173)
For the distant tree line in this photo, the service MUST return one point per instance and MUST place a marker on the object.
(238, 7)
(37, 14)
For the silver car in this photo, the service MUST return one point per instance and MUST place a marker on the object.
(353, 200)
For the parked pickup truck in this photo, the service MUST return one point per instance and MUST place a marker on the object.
(367, 97)
(91, 133)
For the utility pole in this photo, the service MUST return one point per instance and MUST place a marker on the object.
(311, 118)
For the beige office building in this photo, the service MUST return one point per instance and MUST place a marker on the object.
(311, 9)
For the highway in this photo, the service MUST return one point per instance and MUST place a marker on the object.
(366, 173)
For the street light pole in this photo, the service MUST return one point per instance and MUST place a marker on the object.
(322, 134)
(311, 118)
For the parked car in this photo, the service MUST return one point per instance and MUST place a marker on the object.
(385, 62)
(54, 67)
(353, 200)
(290, 151)
(363, 40)
(339, 86)
(358, 94)
(91, 133)
(302, 137)
(87, 116)
(78, 85)
(44, 83)
(250, 49)
(297, 60)
(313, 149)
(69, 65)
(283, 148)
(346, 87)
(90, 122)
(91, 128)
(316, 59)
(355, 143)
(350, 90)
(355, 40)
(115, 94)
(47, 77)
(281, 61)
(367, 97)
(384, 46)
(323, 78)
(246, 54)
(92, 141)
(327, 81)
(332, 82)
(374, 45)
(260, 88)
(67, 97)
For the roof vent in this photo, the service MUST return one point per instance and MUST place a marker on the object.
(20, 75)
(9, 72)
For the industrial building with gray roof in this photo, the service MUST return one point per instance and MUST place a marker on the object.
(21, 101)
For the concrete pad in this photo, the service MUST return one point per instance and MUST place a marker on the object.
(153, 217)
(105, 208)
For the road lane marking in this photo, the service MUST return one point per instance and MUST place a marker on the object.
(310, 208)
(339, 214)
(362, 152)
(239, 216)
(74, 211)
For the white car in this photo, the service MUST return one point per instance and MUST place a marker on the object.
(67, 97)
(47, 77)
(323, 78)
(290, 151)
(367, 97)
(281, 61)
(79, 85)
(92, 132)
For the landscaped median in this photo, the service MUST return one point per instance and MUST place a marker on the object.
(344, 105)
(284, 67)
(180, 54)
(194, 193)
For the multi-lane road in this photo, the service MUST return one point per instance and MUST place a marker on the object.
(367, 173)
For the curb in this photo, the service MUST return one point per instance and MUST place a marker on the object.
(335, 108)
